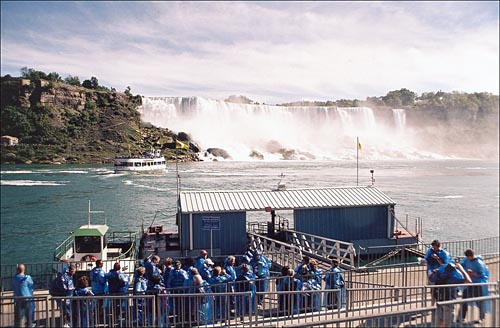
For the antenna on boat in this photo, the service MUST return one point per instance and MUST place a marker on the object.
(373, 179)
(88, 213)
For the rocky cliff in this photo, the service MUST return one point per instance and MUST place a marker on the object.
(61, 123)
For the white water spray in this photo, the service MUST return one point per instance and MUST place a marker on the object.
(290, 132)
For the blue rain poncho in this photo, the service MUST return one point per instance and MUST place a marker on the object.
(83, 310)
(98, 281)
(432, 263)
(480, 274)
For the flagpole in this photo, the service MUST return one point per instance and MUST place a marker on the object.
(177, 168)
(357, 160)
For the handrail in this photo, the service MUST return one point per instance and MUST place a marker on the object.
(63, 248)
(323, 247)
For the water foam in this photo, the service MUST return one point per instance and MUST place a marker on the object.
(292, 132)
(31, 183)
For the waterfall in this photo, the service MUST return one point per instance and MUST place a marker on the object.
(283, 132)
(399, 118)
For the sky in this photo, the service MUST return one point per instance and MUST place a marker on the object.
(271, 52)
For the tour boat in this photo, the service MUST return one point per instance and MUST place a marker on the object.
(94, 241)
(152, 161)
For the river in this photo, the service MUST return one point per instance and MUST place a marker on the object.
(41, 205)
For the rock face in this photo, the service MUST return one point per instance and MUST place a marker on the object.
(61, 123)
(218, 152)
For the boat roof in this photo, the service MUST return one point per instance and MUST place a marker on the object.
(288, 199)
(91, 230)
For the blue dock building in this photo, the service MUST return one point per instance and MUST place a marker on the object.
(360, 215)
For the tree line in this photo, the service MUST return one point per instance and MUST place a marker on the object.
(92, 83)
(475, 103)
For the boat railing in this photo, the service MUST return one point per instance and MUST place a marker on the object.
(355, 307)
(127, 237)
(63, 248)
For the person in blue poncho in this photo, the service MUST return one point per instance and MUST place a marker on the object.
(140, 288)
(23, 287)
(118, 283)
(478, 272)
(157, 289)
(177, 279)
(288, 302)
(335, 280)
(152, 269)
(83, 309)
(245, 282)
(99, 286)
(219, 284)
(435, 257)
(261, 267)
(65, 286)
(447, 274)
(229, 263)
(202, 304)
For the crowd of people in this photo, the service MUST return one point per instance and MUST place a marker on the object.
(248, 283)
(442, 270)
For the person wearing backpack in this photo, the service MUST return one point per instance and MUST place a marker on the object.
(118, 283)
(63, 285)
(447, 274)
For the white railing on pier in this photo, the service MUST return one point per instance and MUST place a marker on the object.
(300, 244)
(323, 248)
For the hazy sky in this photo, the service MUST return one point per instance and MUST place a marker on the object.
(271, 52)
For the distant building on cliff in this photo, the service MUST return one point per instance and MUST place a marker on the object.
(9, 141)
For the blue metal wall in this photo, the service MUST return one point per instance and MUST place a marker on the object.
(346, 224)
(230, 239)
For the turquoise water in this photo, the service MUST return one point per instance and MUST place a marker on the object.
(40, 205)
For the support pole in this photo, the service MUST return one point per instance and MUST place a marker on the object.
(357, 161)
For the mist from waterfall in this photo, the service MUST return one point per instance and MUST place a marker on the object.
(320, 133)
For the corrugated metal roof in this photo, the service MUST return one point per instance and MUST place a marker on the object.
(258, 200)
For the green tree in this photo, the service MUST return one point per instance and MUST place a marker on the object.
(72, 80)
(30, 73)
(54, 77)
(128, 93)
(402, 97)
(93, 83)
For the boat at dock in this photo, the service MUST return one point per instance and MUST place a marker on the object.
(151, 162)
(91, 242)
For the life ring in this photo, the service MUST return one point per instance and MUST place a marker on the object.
(89, 258)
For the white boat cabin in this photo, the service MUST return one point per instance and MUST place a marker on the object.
(90, 243)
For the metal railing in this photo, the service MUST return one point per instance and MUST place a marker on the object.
(303, 244)
(43, 273)
(180, 307)
(323, 248)
(63, 248)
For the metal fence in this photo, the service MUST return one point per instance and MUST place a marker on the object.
(191, 307)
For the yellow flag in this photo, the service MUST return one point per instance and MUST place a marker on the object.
(181, 145)
(359, 145)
